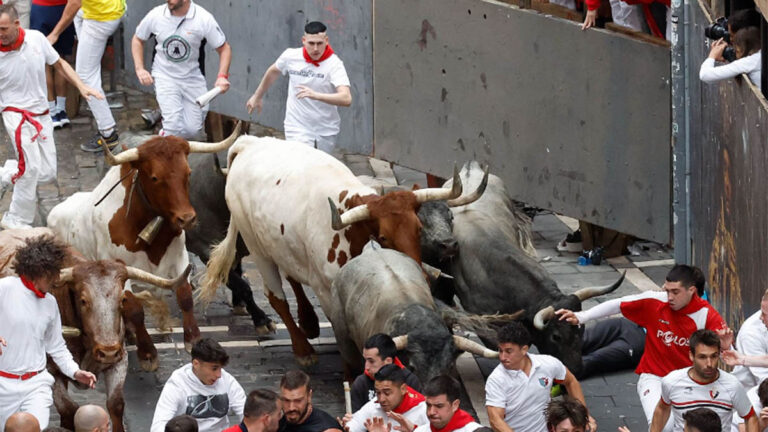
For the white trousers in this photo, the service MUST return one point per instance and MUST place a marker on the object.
(34, 396)
(181, 115)
(39, 161)
(91, 40)
(324, 143)
(649, 390)
(627, 15)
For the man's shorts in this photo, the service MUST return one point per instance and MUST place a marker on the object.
(44, 20)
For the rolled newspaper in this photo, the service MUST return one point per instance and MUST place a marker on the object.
(347, 397)
(206, 98)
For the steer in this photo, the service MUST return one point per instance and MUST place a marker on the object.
(206, 193)
(492, 274)
(279, 192)
(91, 298)
(137, 214)
(384, 291)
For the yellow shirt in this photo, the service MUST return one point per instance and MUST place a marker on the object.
(103, 10)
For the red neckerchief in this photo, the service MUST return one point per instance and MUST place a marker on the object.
(327, 53)
(16, 45)
(396, 362)
(460, 419)
(411, 398)
(30, 286)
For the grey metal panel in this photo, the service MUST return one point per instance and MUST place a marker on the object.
(573, 121)
(729, 185)
(259, 31)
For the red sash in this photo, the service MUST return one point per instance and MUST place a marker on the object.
(460, 419)
(26, 116)
(327, 53)
(411, 398)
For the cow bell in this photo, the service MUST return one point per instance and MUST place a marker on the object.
(150, 231)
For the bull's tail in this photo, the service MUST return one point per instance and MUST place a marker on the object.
(217, 270)
(157, 307)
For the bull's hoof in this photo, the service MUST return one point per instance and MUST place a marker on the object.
(150, 364)
(266, 329)
(240, 310)
(306, 361)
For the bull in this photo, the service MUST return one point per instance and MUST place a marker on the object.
(493, 274)
(137, 214)
(279, 192)
(384, 291)
(206, 193)
(91, 298)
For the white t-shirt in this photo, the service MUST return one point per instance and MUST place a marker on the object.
(22, 73)
(754, 399)
(307, 116)
(184, 393)
(469, 427)
(417, 415)
(750, 65)
(524, 397)
(31, 327)
(723, 396)
(752, 340)
(179, 39)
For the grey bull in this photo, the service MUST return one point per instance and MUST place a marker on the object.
(493, 274)
(384, 291)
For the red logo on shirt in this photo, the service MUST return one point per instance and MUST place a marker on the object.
(543, 381)
(713, 394)
(670, 338)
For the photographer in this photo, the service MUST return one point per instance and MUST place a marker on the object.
(746, 44)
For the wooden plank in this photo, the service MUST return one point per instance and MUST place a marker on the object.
(638, 35)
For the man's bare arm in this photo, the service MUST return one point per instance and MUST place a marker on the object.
(255, 102)
(496, 418)
(67, 16)
(342, 97)
(660, 416)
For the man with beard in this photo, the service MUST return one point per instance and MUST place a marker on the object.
(703, 386)
(300, 415)
(394, 399)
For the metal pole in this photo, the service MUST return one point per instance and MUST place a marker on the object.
(763, 56)
(680, 137)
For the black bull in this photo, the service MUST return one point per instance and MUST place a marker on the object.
(493, 275)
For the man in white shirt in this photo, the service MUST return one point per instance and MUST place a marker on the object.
(201, 389)
(753, 340)
(24, 105)
(30, 328)
(703, 385)
(181, 29)
(393, 395)
(518, 390)
(318, 83)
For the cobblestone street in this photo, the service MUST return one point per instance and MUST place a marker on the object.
(260, 361)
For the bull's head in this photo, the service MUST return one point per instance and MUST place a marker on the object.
(560, 339)
(96, 292)
(162, 174)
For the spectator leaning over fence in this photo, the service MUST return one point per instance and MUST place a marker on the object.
(43, 18)
(669, 317)
(746, 43)
(94, 23)
(24, 55)
(262, 413)
(703, 385)
(317, 84)
(181, 28)
(202, 389)
(518, 391)
(378, 350)
(30, 330)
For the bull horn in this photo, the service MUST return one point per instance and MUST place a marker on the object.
(65, 275)
(473, 347)
(543, 316)
(433, 272)
(68, 331)
(474, 196)
(401, 342)
(588, 293)
(125, 156)
(356, 214)
(437, 194)
(217, 166)
(141, 275)
(201, 147)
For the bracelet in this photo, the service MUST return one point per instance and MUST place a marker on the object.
(223, 76)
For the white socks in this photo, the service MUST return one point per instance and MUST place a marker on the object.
(61, 103)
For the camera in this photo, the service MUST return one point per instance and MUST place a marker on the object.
(718, 30)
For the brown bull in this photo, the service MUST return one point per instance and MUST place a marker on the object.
(92, 299)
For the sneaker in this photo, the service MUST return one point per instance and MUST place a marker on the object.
(10, 222)
(60, 119)
(94, 144)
